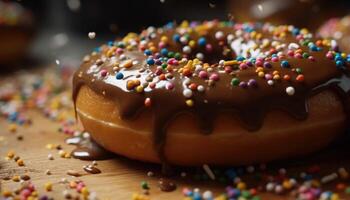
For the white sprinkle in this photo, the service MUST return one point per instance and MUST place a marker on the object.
(260, 7)
(221, 62)
(293, 46)
(183, 174)
(270, 82)
(92, 35)
(150, 174)
(183, 40)
(200, 88)
(278, 189)
(162, 1)
(200, 56)
(219, 35)
(290, 91)
(211, 5)
(207, 195)
(50, 156)
(209, 172)
(187, 93)
(230, 37)
(270, 186)
(196, 190)
(57, 62)
(186, 49)
(73, 5)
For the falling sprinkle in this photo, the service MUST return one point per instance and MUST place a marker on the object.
(260, 7)
(162, 1)
(212, 5)
(92, 35)
(209, 171)
(57, 62)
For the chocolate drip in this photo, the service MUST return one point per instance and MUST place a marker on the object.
(250, 105)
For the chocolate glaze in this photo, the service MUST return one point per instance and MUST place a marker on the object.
(88, 149)
(92, 169)
(249, 104)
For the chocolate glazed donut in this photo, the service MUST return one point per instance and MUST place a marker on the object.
(204, 70)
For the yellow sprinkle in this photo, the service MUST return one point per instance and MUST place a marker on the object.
(231, 62)
(34, 194)
(192, 43)
(153, 49)
(20, 162)
(15, 178)
(12, 128)
(85, 192)
(287, 185)
(127, 64)
(259, 69)
(335, 196)
(164, 39)
(139, 89)
(10, 154)
(241, 186)
(275, 72)
(276, 77)
(48, 186)
(261, 74)
(6, 193)
(189, 102)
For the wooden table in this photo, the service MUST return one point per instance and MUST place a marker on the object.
(120, 177)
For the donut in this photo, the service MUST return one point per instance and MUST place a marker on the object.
(338, 29)
(215, 92)
(16, 32)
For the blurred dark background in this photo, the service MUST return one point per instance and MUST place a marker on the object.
(62, 26)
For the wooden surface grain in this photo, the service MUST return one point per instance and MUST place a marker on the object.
(120, 177)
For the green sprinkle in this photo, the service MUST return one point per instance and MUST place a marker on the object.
(305, 55)
(177, 56)
(164, 66)
(171, 54)
(235, 81)
(144, 185)
(246, 194)
(299, 70)
(347, 190)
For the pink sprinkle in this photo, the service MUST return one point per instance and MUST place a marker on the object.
(208, 47)
(161, 45)
(298, 55)
(228, 69)
(169, 86)
(214, 77)
(268, 76)
(119, 50)
(104, 73)
(311, 58)
(243, 66)
(290, 53)
(152, 85)
(329, 55)
(25, 193)
(274, 59)
(203, 74)
(259, 63)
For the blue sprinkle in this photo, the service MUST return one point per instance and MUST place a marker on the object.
(119, 76)
(150, 61)
(339, 63)
(164, 51)
(176, 38)
(285, 64)
(110, 43)
(240, 58)
(147, 52)
(295, 31)
(202, 41)
(338, 57)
